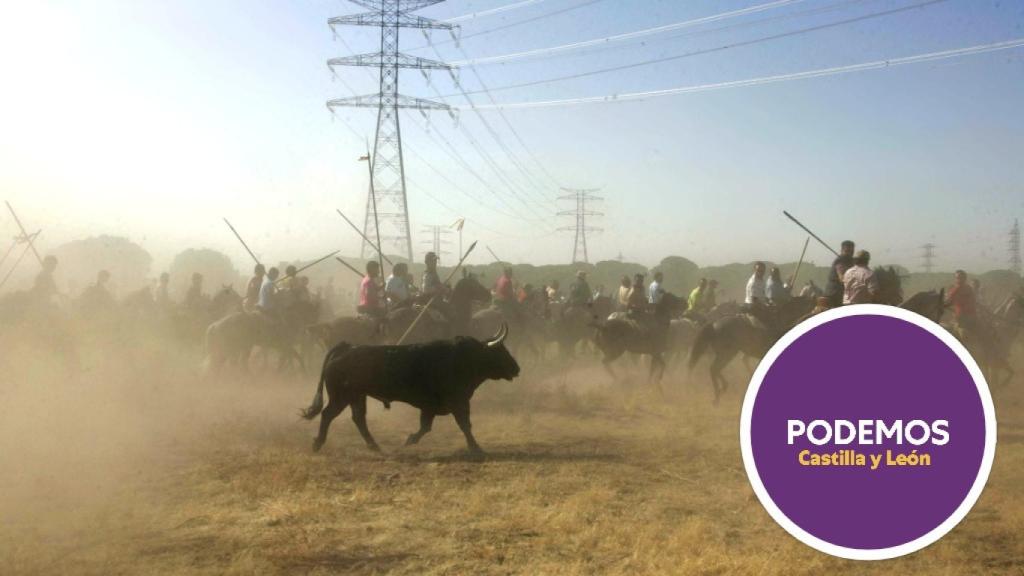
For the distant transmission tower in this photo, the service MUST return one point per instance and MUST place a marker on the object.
(582, 197)
(387, 186)
(437, 241)
(1014, 247)
(928, 257)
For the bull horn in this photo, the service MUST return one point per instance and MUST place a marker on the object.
(500, 336)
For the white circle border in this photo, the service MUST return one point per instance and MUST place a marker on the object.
(939, 531)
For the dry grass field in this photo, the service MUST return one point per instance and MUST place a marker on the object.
(137, 465)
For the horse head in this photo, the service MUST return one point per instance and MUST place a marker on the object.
(469, 289)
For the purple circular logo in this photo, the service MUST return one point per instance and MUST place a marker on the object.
(868, 432)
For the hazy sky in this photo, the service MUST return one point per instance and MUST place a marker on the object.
(154, 120)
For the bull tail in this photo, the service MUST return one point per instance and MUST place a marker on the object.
(700, 344)
(318, 400)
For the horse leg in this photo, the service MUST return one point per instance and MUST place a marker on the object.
(359, 417)
(334, 407)
(426, 421)
(610, 357)
(718, 379)
(657, 371)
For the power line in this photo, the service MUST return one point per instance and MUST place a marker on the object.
(494, 134)
(754, 41)
(821, 72)
(515, 24)
(492, 11)
(626, 35)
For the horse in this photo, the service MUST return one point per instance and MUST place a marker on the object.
(642, 334)
(930, 304)
(746, 333)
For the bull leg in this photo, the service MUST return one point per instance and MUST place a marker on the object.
(333, 409)
(461, 414)
(359, 417)
(426, 421)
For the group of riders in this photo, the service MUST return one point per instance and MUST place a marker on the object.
(851, 280)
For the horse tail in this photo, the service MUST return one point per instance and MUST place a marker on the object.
(318, 400)
(700, 344)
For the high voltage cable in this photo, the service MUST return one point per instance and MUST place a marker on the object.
(492, 11)
(717, 48)
(497, 138)
(875, 65)
(514, 24)
(626, 35)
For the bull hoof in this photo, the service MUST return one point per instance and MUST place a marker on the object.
(412, 439)
(476, 454)
(317, 444)
(373, 447)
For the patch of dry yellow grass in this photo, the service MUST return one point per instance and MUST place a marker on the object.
(140, 466)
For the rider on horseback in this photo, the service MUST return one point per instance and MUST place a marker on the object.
(195, 300)
(252, 289)
(396, 289)
(860, 285)
(834, 287)
(45, 288)
(579, 293)
(656, 289)
(636, 304)
(267, 300)
(370, 302)
(963, 299)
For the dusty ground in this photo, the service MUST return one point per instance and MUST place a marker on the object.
(139, 466)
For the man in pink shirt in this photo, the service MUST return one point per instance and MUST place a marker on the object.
(370, 302)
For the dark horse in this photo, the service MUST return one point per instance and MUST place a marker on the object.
(745, 333)
(644, 334)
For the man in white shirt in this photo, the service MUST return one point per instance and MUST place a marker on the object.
(756, 285)
(655, 292)
(860, 285)
(397, 288)
(268, 291)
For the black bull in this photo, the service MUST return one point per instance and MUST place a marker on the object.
(439, 378)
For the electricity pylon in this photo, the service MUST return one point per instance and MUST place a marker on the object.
(387, 182)
(581, 212)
